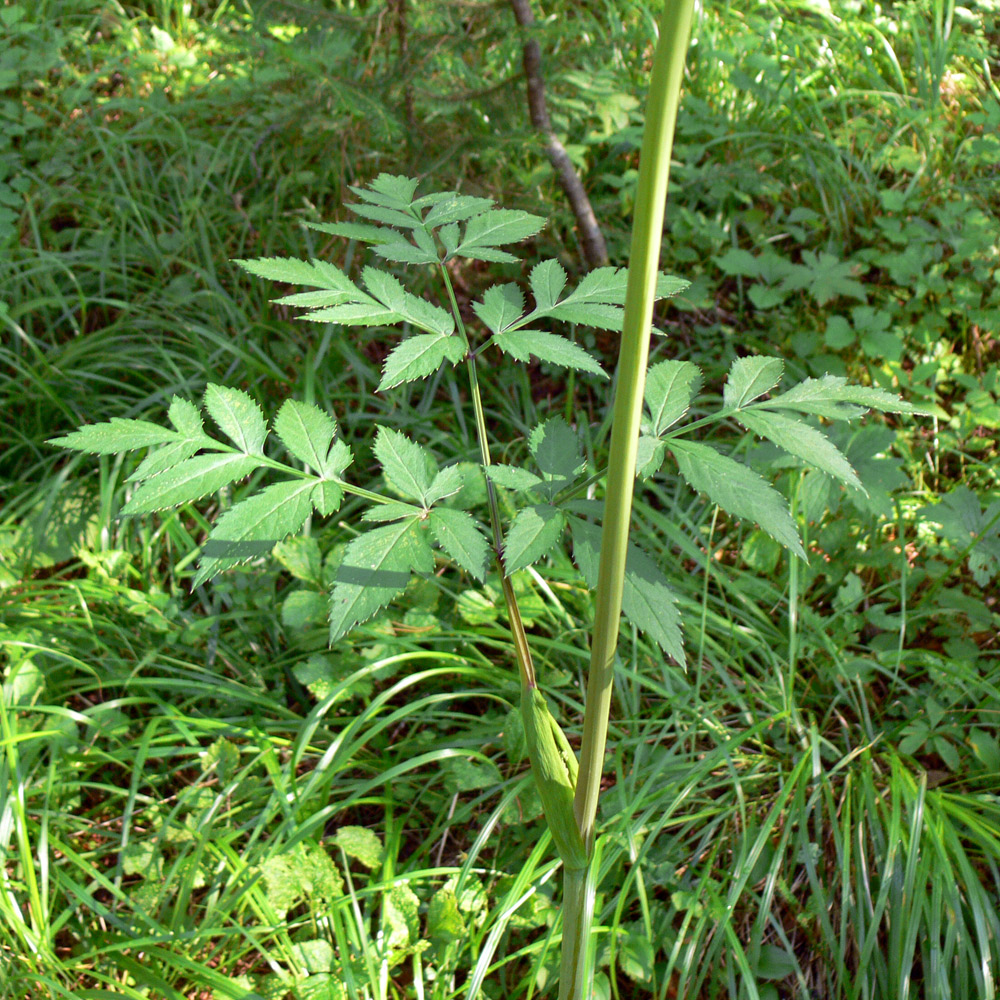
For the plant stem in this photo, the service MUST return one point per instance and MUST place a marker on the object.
(654, 172)
(525, 667)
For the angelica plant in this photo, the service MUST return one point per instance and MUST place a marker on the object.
(418, 517)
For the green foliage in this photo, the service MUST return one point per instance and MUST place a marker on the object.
(138, 162)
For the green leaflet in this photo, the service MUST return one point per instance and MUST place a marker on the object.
(670, 386)
(116, 435)
(535, 531)
(554, 767)
(738, 490)
(550, 347)
(496, 228)
(418, 357)
(502, 306)
(749, 378)
(803, 441)
(376, 567)
(252, 528)
(238, 417)
(408, 467)
(306, 431)
(647, 600)
(192, 479)
(460, 539)
(548, 279)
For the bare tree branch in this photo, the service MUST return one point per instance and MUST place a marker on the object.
(595, 250)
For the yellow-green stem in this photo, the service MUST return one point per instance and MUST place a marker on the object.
(654, 172)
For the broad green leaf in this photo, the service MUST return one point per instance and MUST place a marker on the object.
(300, 872)
(304, 609)
(447, 483)
(497, 228)
(738, 490)
(647, 600)
(445, 924)
(535, 531)
(302, 558)
(418, 357)
(401, 915)
(798, 438)
(556, 449)
(460, 538)
(189, 481)
(749, 378)
(376, 567)
(512, 477)
(830, 396)
(116, 435)
(670, 386)
(238, 417)
(254, 526)
(408, 467)
(306, 431)
(502, 305)
(407, 306)
(548, 279)
(360, 843)
(825, 276)
(550, 347)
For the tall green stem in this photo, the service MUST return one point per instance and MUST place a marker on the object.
(654, 172)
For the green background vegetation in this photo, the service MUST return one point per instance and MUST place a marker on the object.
(198, 798)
